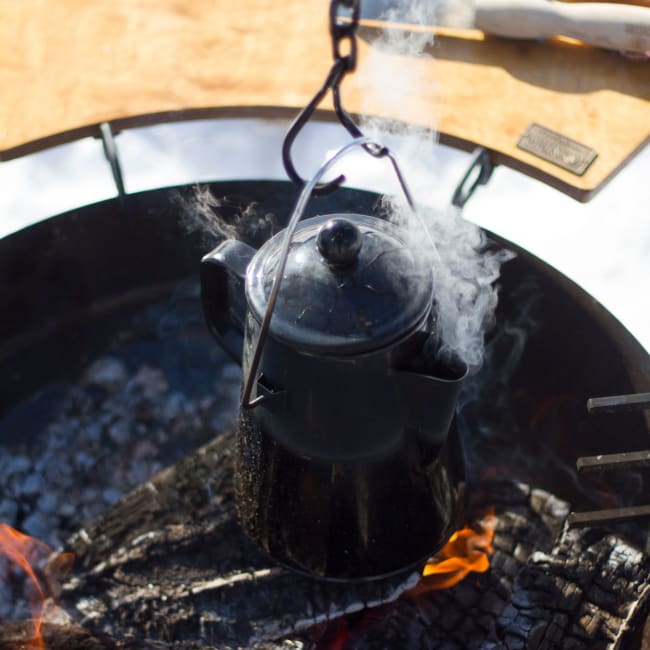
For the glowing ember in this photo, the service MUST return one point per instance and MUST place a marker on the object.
(466, 551)
(19, 548)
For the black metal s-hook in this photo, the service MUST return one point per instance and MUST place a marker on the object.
(296, 127)
(340, 30)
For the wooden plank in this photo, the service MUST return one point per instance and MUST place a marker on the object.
(67, 64)
(494, 88)
(70, 64)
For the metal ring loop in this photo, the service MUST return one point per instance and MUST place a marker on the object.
(349, 26)
(350, 58)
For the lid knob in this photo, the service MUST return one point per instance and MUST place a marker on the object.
(339, 242)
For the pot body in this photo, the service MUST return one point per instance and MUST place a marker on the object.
(347, 466)
(331, 479)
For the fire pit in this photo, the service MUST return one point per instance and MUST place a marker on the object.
(103, 317)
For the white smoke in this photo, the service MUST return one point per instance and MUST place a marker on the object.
(218, 218)
(464, 268)
(464, 272)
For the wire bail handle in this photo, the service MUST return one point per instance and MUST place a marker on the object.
(374, 149)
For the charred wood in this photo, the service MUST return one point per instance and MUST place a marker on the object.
(169, 563)
(589, 592)
(588, 589)
(19, 636)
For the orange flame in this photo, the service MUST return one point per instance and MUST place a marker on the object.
(18, 547)
(466, 551)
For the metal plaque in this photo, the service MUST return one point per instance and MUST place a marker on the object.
(557, 148)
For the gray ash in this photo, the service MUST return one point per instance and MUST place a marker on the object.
(114, 430)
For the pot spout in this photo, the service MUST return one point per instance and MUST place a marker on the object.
(429, 399)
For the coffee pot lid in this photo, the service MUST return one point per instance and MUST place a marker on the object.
(351, 285)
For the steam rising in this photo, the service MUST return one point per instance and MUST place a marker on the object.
(464, 267)
(218, 218)
(464, 273)
(202, 214)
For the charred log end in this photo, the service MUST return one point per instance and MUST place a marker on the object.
(19, 635)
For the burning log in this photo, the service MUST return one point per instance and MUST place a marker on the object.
(168, 567)
(466, 615)
(22, 550)
(587, 593)
(56, 637)
(169, 563)
(588, 589)
(16, 636)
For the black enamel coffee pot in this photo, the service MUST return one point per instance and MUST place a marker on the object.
(345, 465)
(348, 465)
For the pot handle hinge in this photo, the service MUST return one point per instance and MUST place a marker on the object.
(271, 399)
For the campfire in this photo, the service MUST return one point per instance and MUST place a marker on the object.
(168, 562)
(379, 480)
(18, 548)
(467, 550)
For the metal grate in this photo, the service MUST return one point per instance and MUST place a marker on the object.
(606, 462)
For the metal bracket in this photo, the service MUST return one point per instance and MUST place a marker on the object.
(478, 173)
(110, 151)
(618, 403)
(603, 517)
(272, 399)
(606, 462)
